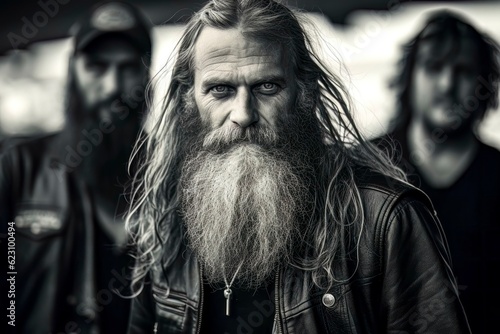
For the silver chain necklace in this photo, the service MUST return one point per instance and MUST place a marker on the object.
(228, 291)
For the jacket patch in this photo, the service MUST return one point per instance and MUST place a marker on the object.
(38, 223)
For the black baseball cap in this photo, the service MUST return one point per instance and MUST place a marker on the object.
(113, 18)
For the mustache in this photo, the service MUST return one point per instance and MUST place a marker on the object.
(225, 137)
(446, 100)
(115, 104)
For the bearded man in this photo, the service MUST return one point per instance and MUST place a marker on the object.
(62, 193)
(447, 82)
(259, 208)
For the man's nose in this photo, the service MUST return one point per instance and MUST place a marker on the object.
(244, 112)
(446, 80)
(110, 82)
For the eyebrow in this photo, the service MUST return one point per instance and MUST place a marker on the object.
(215, 81)
(99, 58)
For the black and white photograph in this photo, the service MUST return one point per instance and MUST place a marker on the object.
(249, 166)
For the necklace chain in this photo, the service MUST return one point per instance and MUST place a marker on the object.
(228, 286)
(228, 291)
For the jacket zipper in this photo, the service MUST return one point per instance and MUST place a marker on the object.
(276, 300)
(198, 323)
(155, 328)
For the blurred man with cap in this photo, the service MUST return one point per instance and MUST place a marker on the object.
(65, 191)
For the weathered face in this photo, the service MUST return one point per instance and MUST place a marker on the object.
(109, 73)
(444, 84)
(253, 162)
(241, 81)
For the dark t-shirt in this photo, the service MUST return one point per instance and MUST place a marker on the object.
(469, 211)
(251, 311)
(112, 283)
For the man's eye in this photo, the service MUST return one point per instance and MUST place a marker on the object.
(268, 88)
(96, 67)
(432, 67)
(220, 91)
(132, 68)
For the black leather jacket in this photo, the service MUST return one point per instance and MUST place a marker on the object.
(404, 283)
(61, 249)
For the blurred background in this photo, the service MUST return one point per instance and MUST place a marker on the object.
(361, 40)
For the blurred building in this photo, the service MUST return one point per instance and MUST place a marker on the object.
(363, 52)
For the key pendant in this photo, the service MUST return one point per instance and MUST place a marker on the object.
(227, 295)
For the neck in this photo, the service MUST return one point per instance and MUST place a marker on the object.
(441, 158)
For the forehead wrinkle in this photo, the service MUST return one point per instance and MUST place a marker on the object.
(230, 75)
(234, 65)
(231, 56)
(227, 55)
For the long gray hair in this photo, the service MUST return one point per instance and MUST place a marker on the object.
(153, 221)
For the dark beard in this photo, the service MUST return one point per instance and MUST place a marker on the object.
(246, 195)
(104, 149)
(459, 127)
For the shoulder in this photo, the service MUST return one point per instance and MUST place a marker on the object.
(378, 191)
(29, 147)
(24, 156)
(391, 204)
(489, 153)
(398, 213)
(485, 169)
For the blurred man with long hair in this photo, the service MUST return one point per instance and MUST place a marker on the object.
(447, 82)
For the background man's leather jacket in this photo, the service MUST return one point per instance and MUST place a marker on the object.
(404, 283)
(61, 285)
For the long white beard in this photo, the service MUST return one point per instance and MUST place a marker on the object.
(242, 207)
